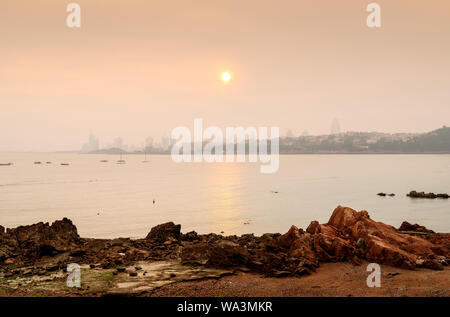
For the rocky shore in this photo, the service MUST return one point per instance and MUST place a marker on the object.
(349, 236)
(415, 194)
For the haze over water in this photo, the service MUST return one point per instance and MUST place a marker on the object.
(106, 200)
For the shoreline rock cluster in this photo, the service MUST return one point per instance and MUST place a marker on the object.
(348, 236)
(384, 194)
(415, 194)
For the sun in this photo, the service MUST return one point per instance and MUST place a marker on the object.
(226, 77)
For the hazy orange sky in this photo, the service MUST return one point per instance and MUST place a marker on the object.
(141, 68)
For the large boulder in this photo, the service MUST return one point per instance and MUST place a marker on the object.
(166, 231)
(227, 254)
(219, 254)
(34, 241)
(383, 243)
(330, 244)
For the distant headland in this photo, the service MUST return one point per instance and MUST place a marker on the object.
(434, 142)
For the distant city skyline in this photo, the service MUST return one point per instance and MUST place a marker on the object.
(93, 143)
(336, 141)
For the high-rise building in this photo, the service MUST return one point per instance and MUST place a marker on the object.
(92, 145)
(165, 142)
(118, 143)
(149, 142)
(289, 134)
(335, 127)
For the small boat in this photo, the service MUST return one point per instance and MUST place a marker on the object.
(104, 161)
(5, 164)
(121, 161)
(65, 164)
(37, 162)
(145, 157)
(48, 162)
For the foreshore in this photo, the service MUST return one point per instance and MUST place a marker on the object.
(323, 260)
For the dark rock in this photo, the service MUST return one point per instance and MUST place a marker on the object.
(77, 253)
(415, 194)
(246, 237)
(164, 232)
(38, 240)
(107, 264)
(227, 254)
(406, 226)
(190, 236)
(432, 264)
(195, 254)
(361, 244)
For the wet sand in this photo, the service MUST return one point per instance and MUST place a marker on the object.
(331, 279)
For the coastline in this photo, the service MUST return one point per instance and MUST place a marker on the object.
(34, 259)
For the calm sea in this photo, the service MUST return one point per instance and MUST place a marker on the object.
(105, 199)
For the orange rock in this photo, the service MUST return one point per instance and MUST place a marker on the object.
(289, 237)
(384, 243)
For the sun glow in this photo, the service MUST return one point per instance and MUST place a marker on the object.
(226, 77)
